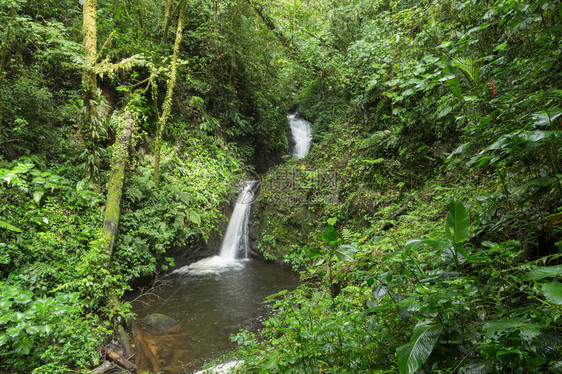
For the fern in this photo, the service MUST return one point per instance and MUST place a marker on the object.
(194, 217)
(467, 66)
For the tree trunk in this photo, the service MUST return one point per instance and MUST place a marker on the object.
(167, 17)
(167, 105)
(115, 189)
(89, 80)
(3, 63)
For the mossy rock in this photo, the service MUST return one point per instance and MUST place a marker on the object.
(159, 321)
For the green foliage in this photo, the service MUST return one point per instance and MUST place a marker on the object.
(392, 93)
(42, 328)
(55, 247)
(197, 180)
(314, 333)
(51, 330)
(93, 130)
(489, 310)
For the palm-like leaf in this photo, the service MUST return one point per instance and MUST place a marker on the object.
(458, 223)
(413, 355)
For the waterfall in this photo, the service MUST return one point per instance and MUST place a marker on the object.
(302, 135)
(236, 236)
(235, 244)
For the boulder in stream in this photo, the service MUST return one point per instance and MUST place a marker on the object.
(159, 321)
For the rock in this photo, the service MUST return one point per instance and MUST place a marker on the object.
(252, 234)
(160, 321)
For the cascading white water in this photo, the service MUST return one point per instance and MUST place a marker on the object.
(302, 135)
(236, 236)
(235, 244)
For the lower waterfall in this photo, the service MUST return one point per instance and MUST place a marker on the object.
(235, 244)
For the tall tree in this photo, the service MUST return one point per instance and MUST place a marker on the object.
(90, 126)
(167, 105)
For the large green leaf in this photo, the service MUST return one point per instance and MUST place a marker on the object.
(541, 182)
(345, 253)
(457, 223)
(314, 252)
(467, 66)
(449, 254)
(194, 217)
(508, 144)
(413, 355)
(330, 235)
(553, 292)
(524, 327)
(541, 272)
(415, 243)
(379, 290)
(23, 347)
(37, 195)
(546, 118)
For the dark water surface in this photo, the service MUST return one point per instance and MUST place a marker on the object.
(210, 305)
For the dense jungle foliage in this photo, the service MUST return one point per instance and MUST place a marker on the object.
(426, 221)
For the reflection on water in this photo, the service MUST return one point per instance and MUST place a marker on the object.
(210, 305)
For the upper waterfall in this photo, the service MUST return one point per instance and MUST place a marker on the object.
(302, 135)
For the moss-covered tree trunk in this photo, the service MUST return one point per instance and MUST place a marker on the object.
(115, 188)
(89, 81)
(167, 18)
(167, 105)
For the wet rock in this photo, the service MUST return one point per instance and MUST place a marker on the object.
(252, 234)
(160, 321)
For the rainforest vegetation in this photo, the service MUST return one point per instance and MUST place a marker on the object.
(426, 221)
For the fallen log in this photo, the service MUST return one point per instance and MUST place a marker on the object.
(103, 368)
(117, 357)
(389, 224)
(124, 340)
(115, 185)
